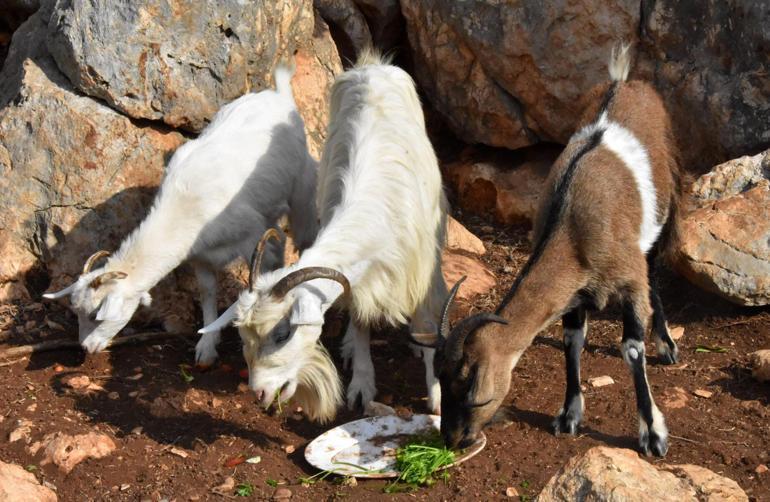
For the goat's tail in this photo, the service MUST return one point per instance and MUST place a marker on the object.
(620, 62)
(282, 76)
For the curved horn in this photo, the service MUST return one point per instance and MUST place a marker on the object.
(256, 258)
(444, 323)
(105, 277)
(297, 277)
(93, 259)
(455, 344)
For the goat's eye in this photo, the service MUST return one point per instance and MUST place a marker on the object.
(281, 332)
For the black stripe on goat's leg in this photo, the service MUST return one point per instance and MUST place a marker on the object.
(569, 417)
(668, 352)
(653, 434)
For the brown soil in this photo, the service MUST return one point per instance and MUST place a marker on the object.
(215, 421)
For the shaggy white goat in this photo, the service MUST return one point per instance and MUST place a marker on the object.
(221, 191)
(382, 211)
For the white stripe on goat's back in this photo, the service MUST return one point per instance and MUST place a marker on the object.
(627, 147)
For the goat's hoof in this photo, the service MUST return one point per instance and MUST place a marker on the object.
(653, 444)
(93, 345)
(204, 358)
(365, 390)
(566, 423)
(668, 356)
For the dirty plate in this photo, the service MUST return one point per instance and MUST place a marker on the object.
(366, 448)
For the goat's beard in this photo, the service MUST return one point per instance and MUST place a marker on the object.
(319, 390)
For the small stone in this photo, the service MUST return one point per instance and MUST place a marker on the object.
(349, 481)
(32, 407)
(674, 398)
(226, 487)
(113, 395)
(137, 430)
(78, 382)
(760, 363)
(705, 394)
(179, 453)
(58, 368)
(601, 381)
(282, 494)
(53, 325)
(133, 393)
(136, 377)
(761, 469)
(243, 387)
(216, 402)
(511, 492)
(676, 332)
(375, 409)
(22, 431)
(254, 460)
(124, 487)
(289, 448)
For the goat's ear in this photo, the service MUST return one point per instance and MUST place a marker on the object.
(429, 340)
(146, 299)
(307, 309)
(111, 309)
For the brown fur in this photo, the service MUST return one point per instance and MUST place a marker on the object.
(593, 248)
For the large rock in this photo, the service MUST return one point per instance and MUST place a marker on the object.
(349, 24)
(506, 186)
(614, 474)
(725, 245)
(18, 485)
(177, 63)
(461, 258)
(76, 175)
(317, 64)
(511, 75)
(760, 362)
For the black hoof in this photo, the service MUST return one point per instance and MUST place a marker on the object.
(652, 444)
(565, 423)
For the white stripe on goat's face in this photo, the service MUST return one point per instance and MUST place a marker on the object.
(282, 350)
(633, 154)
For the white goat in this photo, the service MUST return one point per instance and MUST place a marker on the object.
(382, 211)
(221, 191)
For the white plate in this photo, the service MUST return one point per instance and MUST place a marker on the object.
(371, 443)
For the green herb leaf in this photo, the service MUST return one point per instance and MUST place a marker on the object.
(418, 461)
(271, 482)
(186, 376)
(244, 490)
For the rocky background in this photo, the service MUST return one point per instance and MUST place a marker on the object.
(95, 96)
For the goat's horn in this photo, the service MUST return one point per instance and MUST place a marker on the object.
(444, 324)
(256, 258)
(105, 277)
(93, 259)
(455, 344)
(297, 277)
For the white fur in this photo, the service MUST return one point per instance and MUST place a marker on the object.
(220, 192)
(382, 211)
(620, 62)
(627, 147)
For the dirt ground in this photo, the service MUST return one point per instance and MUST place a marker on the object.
(213, 419)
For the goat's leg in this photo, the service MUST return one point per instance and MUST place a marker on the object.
(668, 352)
(362, 384)
(206, 349)
(653, 434)
(424, 322)
(575, 327)
(346, 348)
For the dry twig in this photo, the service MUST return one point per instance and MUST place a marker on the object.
(67, 343)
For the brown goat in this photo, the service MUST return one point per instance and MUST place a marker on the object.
(610, 195)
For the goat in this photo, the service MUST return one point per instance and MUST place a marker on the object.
(383, 213)
(222, 190)
(610, 195)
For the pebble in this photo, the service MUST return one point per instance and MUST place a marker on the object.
(137, 430)
(761, 469)
(282, 494)
(601, 381)
(676, 332)
(243, 387)
(705, 394)
(289, 448)
(124, 487)
(113, 395)
(179, 453)
(349, 481)
(511, 492)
